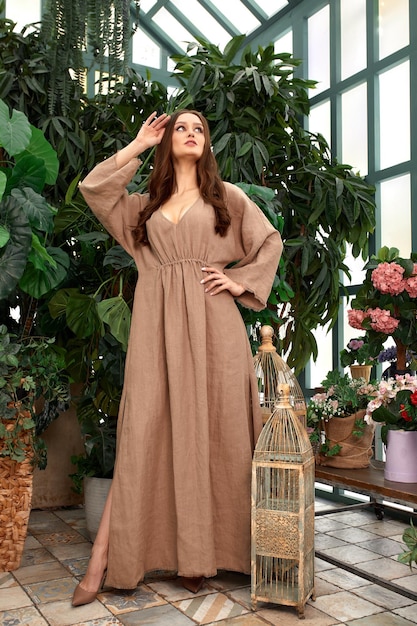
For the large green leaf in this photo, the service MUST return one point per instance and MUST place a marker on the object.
(13, 256)
(58, 303)
(37, 282)
(82, 316)
(15, 131)
(28, 172)
(116, 313)
(36, 208)
(40, 148)
(3, 181)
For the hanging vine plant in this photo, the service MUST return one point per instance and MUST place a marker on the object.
(72, 27)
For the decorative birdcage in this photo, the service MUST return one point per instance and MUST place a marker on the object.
(271, 370)
(283, 510)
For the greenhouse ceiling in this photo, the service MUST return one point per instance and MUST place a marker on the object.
(174, 23)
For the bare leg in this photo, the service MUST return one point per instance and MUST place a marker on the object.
(98, 560)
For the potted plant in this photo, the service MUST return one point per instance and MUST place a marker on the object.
(335, 418)
(359, 355)
(386, 304)
(409, 556)
(34, 388)
(394, 405)
(389, 355)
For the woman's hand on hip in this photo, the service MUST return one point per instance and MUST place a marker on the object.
(215, 282)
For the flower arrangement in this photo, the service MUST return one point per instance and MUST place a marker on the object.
(386, 304)
(394, 405)
(342, 397)
(358, 351)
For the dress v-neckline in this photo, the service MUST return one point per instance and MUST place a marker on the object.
(183, 214)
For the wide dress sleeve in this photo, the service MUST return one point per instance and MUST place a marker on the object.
(104, 190)
(260, 247)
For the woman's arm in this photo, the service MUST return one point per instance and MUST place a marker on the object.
(150, 134)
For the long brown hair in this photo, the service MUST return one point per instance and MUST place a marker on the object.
(162, 180)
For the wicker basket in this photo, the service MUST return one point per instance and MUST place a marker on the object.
(16, 480)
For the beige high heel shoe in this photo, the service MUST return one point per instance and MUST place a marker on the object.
(82, 596)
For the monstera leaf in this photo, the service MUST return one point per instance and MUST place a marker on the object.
(39, 280)
(13, 256)
(15, 130)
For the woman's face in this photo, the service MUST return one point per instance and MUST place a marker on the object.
(188, 137)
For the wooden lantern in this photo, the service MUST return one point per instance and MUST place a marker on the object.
(271, 370)
(282, 563)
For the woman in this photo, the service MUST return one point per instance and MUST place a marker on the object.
(189, 415)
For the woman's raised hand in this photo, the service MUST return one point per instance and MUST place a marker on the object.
(150, 134)
(152, 130)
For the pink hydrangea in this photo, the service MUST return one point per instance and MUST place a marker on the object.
(388, 278)
(381, 321)
(356, 317)
(411, 283)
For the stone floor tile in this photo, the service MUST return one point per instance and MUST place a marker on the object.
(408, 582)
(31, 543)
(173, 590)
(343, 579)
(36, 557)
(38, 573)
(229, 580)
(350, 554)
(384, 597)
(45, 522)
(355, 518)
(327, 523)
(383, 545)
(102, 621)
(386, 568)
(119, 602)
(346, 606)
(241, 595)
(62, 537)
(27, 616)
(324, 588)
(288, 616)
(51, 590)
(386, 528)
(323, 541)
(382, 619)
(408, 612)
(249, 619)
(156, 616)
(353, 535)
(320, 565)
(7, 580)
(13, 598)
(210, 608)
(71, 551)
(62, 613)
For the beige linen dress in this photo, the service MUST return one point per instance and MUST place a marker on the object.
(189, 415)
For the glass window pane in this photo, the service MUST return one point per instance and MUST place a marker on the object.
(271, 6)
(173, 28)
(144, 50)
(318, 369)
(237, 14)
(23, 12)
(396, 214)
(393, 25)
(319, 120)
(355, 129)
(357, 273)
(319, 50)
(394, 115)
(204, 21)
(352, 36)
(284, 43)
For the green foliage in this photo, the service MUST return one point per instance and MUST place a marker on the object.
(255, 107)
(30, 370)
(409, 556)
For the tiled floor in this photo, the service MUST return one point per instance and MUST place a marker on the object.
(57, 551)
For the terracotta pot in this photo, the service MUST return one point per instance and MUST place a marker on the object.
(361, 371)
